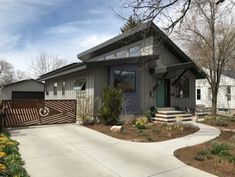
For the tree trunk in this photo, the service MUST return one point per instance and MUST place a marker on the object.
(214, 103)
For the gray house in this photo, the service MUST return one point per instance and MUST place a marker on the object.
(22, 90)
(149, 68)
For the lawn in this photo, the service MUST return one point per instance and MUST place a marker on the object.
(11, 164)
(150, 132)
(216, 156)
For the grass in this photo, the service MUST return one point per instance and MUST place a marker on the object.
(11, 163)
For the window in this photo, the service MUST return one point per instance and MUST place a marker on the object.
(55, 88)
(134, 51)
(125, 80)
(110, 57)
(198, 94)
(80, 85)
(182, 87)
(229, 93)
(122, 54)
(46, 89)
(63, 88)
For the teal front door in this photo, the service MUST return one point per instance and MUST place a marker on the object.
(162, 93)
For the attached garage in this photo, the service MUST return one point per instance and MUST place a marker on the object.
(29, 89)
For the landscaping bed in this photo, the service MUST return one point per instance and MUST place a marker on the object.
(150, 132)
(216, 156)
(11, 164)
(221, 122)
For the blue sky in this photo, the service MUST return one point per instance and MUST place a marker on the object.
(62, 27)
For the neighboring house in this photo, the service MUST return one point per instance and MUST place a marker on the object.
(226, 94)
(22, 90)
(149, 72)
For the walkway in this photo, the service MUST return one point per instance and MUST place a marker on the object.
(75, 151)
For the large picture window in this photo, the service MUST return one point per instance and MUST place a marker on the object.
(125, 80)
(182, 87)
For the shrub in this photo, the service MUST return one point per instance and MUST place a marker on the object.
(221, 149)
(203, 155)
(85, 109)
(221, 122)
(141, 123)
(111, 105)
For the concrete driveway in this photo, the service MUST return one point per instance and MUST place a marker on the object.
(75, 151)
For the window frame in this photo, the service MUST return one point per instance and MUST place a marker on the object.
(180, 86)
(82, 84)
(228, 94)
(55, 88)
(63, 88)
(135, 80)
(199, 95)
(135, 55)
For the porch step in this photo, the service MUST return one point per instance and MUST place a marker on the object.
(166, 109)
(171, 116)
(174, 112)
(164, 120)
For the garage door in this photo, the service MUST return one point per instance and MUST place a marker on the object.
(16, 95)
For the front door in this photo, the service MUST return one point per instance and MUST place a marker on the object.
(163, 93)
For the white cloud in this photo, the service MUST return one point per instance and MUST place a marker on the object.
(7, 41)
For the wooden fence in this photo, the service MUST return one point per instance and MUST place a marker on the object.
(38, 112)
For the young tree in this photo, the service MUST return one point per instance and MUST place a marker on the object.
(46, 63)
(210, 40)
(130, 23)
(20, 75)
(6, 72)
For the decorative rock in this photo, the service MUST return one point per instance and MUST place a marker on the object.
(116, 128)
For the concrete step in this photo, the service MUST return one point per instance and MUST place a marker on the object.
(170, 112)
(184, 119)
(166, 109)
(170, 116)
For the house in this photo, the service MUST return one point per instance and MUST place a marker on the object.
(226, 94)
(22, 90)
(149, 68)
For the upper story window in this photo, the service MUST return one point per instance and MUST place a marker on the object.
(122, 54)
(134, 51)
(63, 88)
(110, 57)
(55, 88)
(80, 85)
(182, 87)
(198, 94)
(125, 80)
(229, 93)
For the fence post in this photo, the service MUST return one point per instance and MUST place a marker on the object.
(1, 119)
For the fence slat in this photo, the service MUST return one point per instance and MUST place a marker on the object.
(26, 112)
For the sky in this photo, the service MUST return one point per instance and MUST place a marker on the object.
(57, 27)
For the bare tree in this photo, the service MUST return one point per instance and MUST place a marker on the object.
(46, 63)
(6, 72)
(210, 40)
(20, 75)
(167, 12)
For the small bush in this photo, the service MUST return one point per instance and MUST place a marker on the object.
(141, 123)
(203, 155)
(221, 122)
(111, 108)
(232, 138)
(221, 149)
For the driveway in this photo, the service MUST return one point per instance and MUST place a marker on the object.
(75, 151)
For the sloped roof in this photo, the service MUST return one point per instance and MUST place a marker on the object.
(229, 73)
(21, 81)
